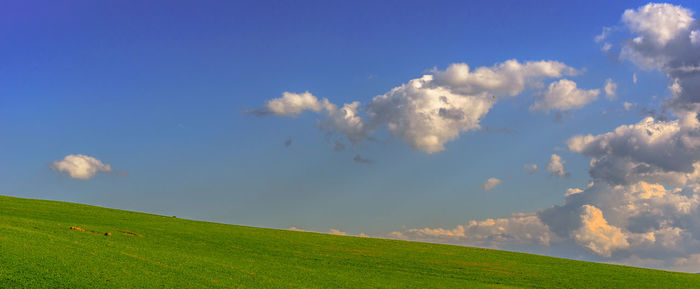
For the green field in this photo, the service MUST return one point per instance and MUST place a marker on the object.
(38, 249)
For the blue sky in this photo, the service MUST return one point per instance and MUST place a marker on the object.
(160, 90)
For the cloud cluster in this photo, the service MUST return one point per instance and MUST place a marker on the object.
(643, 203)
(519, 228)
(642, 206)
(80, 166)
(436, 108)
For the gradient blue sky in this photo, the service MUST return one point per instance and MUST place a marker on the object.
(158, 90)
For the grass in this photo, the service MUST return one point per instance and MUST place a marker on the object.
(39, 250)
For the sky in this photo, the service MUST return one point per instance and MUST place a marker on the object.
(568, 129)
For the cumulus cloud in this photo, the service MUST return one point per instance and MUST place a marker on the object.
(428, 111)
(564, 95)
(80, 166)
(596, 234)
(658, 23)
(665, 38)
(292, 104)
(610, 89)
(491, 183)
(531, 168)
(555, 166)
(649, 150)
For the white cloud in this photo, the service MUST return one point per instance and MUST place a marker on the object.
(628, 105)
(564, 95)
(694, 37)
(603, 34)
(293, 104)
(634, 78)
(531, 168)
(556, 166)
(80, 166)
(610, 89)
(658, 23)
(572, 191)
(345, 120)
(296, 229)
(337, 232)
(491, 183)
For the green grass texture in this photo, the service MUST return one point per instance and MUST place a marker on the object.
(38, 249)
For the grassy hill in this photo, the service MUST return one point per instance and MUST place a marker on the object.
(38, 249)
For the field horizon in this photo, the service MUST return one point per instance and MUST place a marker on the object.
(54, 244)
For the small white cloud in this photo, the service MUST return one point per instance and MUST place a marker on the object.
(531, 168)
(634, 78)
(606, 47)
(80, 166)
(610, 89)
(564, 95)
(397, 235)
(628, 105)
(296, 229)
(556, 166)
(572, 191)
(337, 232)
(292, 104)
(603, 35)
(695, 37)
(491, 183)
